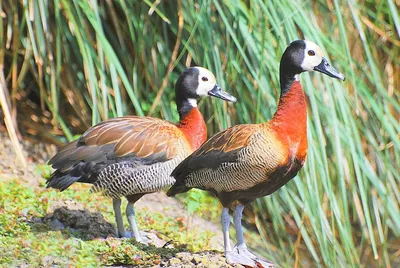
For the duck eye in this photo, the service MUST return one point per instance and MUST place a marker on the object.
(311, 53)
(204, 78)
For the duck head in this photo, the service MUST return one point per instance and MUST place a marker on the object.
(304, 56)
(194, 83)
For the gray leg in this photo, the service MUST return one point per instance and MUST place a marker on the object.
(234, 256)
(118, 218)
(237, 219)
(130, 213)
(241, 247)
(225, 221)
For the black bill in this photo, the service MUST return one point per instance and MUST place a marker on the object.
(325, 68)
(219, 93)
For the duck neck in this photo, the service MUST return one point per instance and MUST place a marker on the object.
(290, 118)
(286, 80)
(191, 122)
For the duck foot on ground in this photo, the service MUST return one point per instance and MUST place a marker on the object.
(237, 257)
(241, 255)
(144, 239)
(125, 234)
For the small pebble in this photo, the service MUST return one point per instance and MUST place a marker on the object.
(197, 259)
(174, 261)
(184, 256)
(55, 224)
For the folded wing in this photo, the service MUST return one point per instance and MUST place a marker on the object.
(139, 140)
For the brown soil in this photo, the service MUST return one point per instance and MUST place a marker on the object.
(10, 168)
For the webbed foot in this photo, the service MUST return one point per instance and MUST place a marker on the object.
(241, 255)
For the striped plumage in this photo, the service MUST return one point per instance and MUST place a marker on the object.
(249, 161)
(141, 141)
(126, 178)
(131, 156)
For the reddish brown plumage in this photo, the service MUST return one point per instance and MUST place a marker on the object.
(194, 128)
(261, 157)
(231, 139)
(287, 130)
(290, 122)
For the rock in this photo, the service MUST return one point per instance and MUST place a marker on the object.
(56, 225)
(81, 222)
(174, 261)
(37, 220)
(185, 256)
(197, 259)
(153, 238)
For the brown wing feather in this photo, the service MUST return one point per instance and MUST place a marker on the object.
(231, 139)
(130, 136)
(233, 160)
(220, 148)
(223, 147)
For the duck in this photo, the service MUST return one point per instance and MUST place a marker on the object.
(131, 156)
(249, 161)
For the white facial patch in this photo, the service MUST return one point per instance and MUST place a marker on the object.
(310, 61)
(207, 81)
(193, 102)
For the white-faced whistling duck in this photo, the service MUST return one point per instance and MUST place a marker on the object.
(132, 156)
(249, 161)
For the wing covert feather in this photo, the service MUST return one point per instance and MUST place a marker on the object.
(220, 148)
(139, 138)
(231, 139)
(236, 159)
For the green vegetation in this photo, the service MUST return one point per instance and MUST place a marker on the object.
(74, 63)
(26, 237)
(201, 203)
